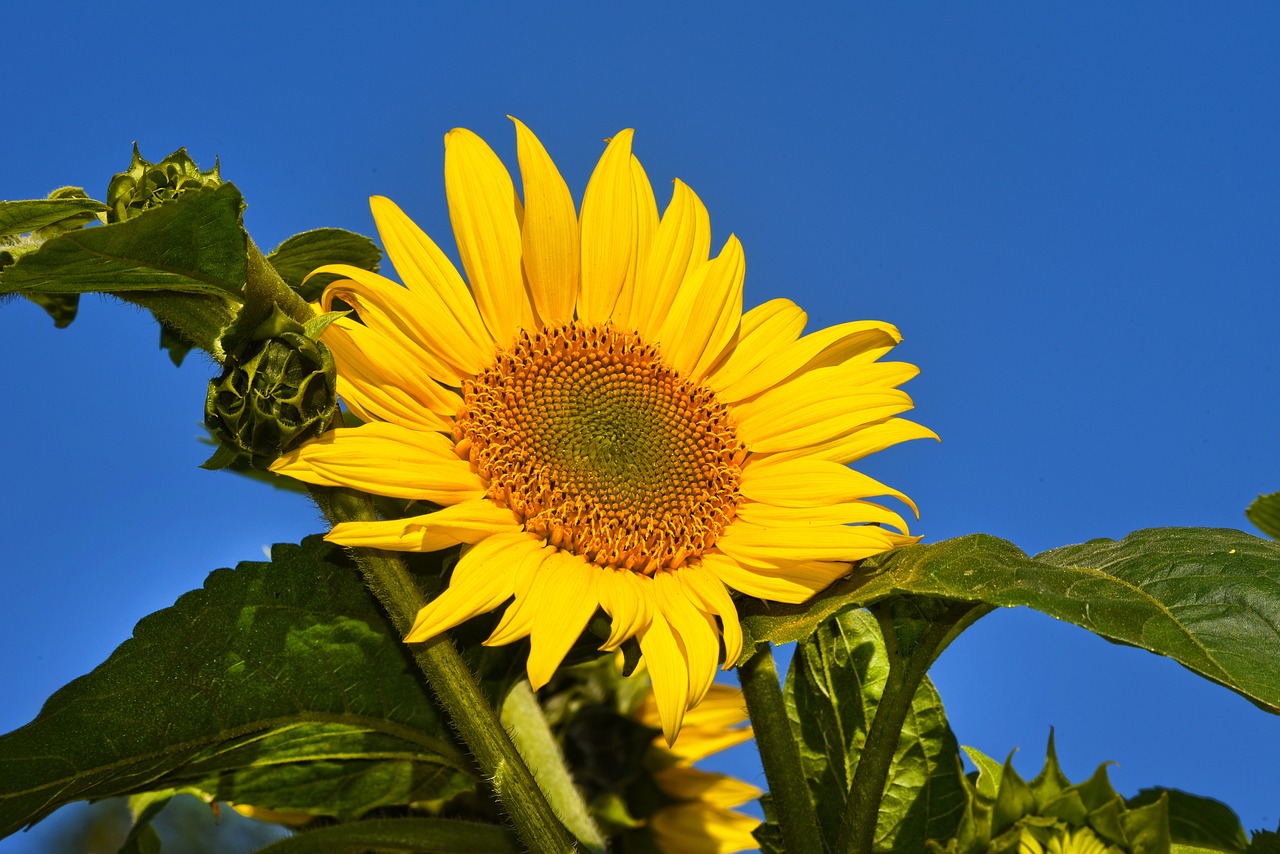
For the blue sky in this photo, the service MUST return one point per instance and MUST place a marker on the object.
(1070, 210)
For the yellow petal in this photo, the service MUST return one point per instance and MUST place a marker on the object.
(857, 341)
(690, 784)
(706, 313)
(723, 707)
(766, 330)
(608, 231)
(681, 244)
(665, 660)
(845, 513)
(565, 595)
(627, 597)
(382, 378)
(430, 275)
(697, 828)
(483, 210)
(468, 522)
(384, 459)
(397, 313)
(698, 635)
(517, 620)
(808, 482)
(752, 545)
(549, 234)
(863, 441)
(646, 220)
(482, 580)
(709, 594)
(814, 408)
(791, 583)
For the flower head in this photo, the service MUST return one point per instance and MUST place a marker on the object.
(599, 422)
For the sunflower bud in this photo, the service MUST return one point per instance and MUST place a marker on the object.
(146, 185)
(277, 390)
(1006, 813)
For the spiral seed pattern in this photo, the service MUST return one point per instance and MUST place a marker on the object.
(597, 445)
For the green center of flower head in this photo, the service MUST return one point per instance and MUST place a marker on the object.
(603, 449)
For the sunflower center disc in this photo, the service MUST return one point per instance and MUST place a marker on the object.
(601, 448)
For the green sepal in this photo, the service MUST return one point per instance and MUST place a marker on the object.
(298, 256)
(1265, 513)
(1002, 809)
(145, 186)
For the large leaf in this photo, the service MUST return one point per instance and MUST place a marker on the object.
(34, 214)
(279, 685)
(194, 244)
(1208, 598)
(299, 255)
(833, 688)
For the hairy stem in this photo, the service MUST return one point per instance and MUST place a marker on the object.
(779, 753)
(455, 687)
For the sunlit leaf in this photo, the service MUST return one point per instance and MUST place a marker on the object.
(280, 685)
(193, 245)
(299, 255)
(1209, 598)
(30, 215)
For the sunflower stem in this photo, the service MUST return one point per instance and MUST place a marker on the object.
(779, 753)
(454, 685)
(263, 288)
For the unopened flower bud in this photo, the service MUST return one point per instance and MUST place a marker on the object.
(145, 185)
(277, 389)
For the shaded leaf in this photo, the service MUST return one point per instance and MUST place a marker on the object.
(192, 245)
(833, 688)
(61, 307)
(1265, 513)
(299, 255)
(1203, 822)
(1209, 598)
(409, 835)
(280, 685)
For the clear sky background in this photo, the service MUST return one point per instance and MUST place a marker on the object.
(1070, 210)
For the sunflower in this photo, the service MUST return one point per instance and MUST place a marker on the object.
(702, 820)
(599, 422)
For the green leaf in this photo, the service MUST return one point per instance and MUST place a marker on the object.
(186, 320)
(299, 255)
(61, 307)
(832, 691)
(192, 245)
(22, 217)
(1203, 822)
(409, 835)
(1208, 598)
(1265, 513)
(279, 685)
